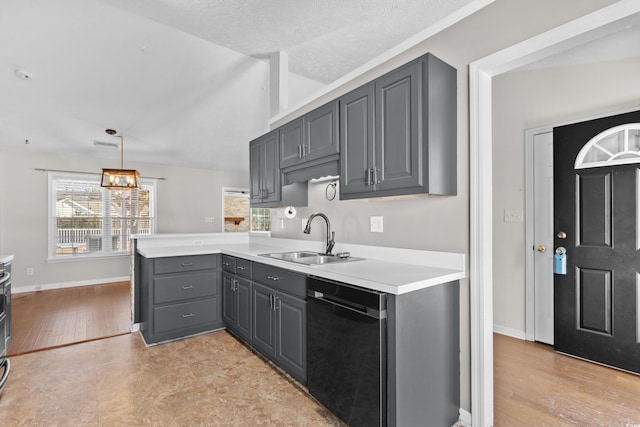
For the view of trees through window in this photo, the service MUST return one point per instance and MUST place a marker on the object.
(91, 220)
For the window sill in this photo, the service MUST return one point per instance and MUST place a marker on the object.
(88, 257)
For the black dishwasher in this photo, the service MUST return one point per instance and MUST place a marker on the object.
(346, 351)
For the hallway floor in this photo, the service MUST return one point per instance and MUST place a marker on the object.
(208, 380)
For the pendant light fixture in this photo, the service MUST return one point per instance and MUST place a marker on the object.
(120, 179)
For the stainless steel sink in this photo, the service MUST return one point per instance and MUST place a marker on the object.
(310, 258)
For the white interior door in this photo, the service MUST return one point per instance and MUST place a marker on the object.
(543, 236)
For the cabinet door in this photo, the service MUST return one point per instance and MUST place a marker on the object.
(271, 168)
(264, 168)
(229, 301)
(321, 132)
(243, 308)
(263, 336)
(398, 106)
(356, 140)
(291, 314)
(255, 170)
(291, 140)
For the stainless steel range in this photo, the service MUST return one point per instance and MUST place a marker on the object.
(5, 320)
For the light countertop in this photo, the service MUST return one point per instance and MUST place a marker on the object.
(6, 258)
(392, 270)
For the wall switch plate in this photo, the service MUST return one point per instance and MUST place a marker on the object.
(513, 216)
(29, 271)
(376, 224)
(210, 219)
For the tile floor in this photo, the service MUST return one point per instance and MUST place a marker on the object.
(208, 380)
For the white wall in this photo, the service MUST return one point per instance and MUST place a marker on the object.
(531, 99)
(184, 199)
(440, 223)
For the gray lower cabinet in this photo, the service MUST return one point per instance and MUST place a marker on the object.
(179, 296)
(280, 318)
(236, 306)
(398, 134)
(236, 295)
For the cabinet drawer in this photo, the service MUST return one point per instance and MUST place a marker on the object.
(228, 264)
(184, 286)
(184, 315)
(243, 268)
(184, 263)
(281, 279)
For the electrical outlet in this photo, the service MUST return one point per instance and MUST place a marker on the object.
(210, 219)
(513, 216)
(197, 243)
(30, 271)
(376, 224)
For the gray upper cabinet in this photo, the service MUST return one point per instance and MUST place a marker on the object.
(356, 140)
(311, 137)
(292, 147)
(398, 134)
(264, 160)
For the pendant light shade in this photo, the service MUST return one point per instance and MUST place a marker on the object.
(120, 179)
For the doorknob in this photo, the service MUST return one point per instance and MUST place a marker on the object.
(541, 248)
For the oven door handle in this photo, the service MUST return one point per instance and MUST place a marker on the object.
(5, 376)
(5, 278)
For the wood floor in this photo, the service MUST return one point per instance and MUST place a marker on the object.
(53, 318)
(534, 386)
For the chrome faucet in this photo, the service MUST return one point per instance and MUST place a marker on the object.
(330, 234)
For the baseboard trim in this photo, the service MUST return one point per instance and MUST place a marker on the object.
(464, 420)
(45, 287)
(515, 333)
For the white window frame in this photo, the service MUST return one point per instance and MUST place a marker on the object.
(624, 156)
(51, 211)
(251, 219)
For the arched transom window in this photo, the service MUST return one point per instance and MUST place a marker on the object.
(618, 145)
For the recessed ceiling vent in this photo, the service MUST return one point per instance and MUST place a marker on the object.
(106, 145)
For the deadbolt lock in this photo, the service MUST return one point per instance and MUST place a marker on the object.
(562, 235)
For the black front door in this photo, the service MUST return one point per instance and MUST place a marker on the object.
(596, 302)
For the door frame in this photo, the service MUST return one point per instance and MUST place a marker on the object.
(529, 238)
(587, 28)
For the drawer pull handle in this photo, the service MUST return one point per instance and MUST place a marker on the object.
(187, 264)
(239, 267)
(274, 278)
(184, 288)
(184, 316)
(226, 264)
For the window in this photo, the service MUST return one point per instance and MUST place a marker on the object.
(261, 220)
(86, 220)
(618, 145)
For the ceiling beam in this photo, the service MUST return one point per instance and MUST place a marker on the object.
(279, 82)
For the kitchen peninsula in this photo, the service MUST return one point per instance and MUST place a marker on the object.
(179, 278)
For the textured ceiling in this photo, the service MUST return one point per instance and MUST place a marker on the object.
(185, 81)
(325, 39)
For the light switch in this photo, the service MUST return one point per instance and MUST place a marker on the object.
(376, 224)
(513, 216)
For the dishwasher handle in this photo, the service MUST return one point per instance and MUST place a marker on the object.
(366, 311)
